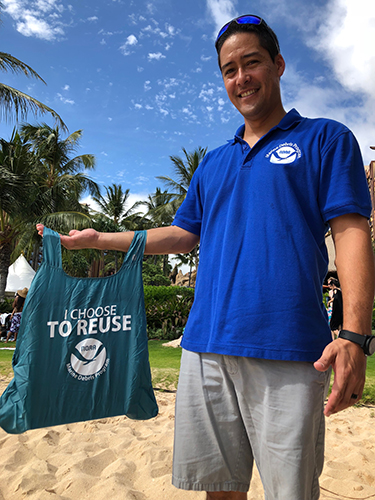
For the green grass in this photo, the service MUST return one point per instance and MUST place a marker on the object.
(6, 360)
(165, 367)
(164, 362)
(369, 390)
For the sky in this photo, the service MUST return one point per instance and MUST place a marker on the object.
(140, 78)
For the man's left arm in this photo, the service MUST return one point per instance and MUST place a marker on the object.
(356, 273)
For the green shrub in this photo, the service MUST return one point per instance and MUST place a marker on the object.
(167, 311)
(6, 306)
(152, 274)
(164, 293)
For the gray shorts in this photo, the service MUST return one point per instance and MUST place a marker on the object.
(233, 410)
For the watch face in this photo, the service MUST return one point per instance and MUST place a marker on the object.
(371, 346)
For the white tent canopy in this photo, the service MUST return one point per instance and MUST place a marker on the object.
(20, 275)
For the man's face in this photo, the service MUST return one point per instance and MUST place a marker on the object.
(251, 78)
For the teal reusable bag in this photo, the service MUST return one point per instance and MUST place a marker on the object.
(82, 350)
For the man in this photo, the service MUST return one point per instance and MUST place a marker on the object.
(257, 351)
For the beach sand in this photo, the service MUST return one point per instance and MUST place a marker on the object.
(118, 458)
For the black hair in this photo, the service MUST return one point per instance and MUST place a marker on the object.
(266, 36)
(334, 281)
(18, 302)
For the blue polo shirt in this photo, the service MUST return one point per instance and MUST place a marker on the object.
(262, 214)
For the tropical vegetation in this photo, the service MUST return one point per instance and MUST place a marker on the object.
(40, 180)
(14, 104)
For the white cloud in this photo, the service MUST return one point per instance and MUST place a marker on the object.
(92, 18)
(31, 19)
(65, 100)
(48, 5)
(207, 94)
(141, 179)
(221, 11)
(130, 42)
(346, 40)
(156, 56)
(331, 101)
(32, 26)
(132, 199)
(171, 30)
(66, 87)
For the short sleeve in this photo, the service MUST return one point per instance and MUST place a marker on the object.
(189, 215)
(343, 184)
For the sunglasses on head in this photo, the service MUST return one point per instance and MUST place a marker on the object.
(248, 19)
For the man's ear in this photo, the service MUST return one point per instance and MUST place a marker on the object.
(280, 64)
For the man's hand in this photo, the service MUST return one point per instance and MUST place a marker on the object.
(349, 365)
(77, 240)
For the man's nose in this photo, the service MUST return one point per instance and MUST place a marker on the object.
(243, 76)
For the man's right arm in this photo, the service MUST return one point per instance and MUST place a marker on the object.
(160, 241)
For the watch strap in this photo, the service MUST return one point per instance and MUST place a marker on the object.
(361, 340)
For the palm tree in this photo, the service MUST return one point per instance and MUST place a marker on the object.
(17, 193)
(160, 212)
(113, 206)
(160, 208)
(13, 102)
(59, 173)
(189, 259)
(184, 170)
(61, 183)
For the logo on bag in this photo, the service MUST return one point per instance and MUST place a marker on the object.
(284, 154)
(88, 360)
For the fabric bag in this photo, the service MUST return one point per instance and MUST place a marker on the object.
(82, 351)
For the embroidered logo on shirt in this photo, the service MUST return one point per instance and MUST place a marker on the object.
(284, 153)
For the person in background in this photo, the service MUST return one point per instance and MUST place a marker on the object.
(15, 319)
(337, 307)
(257, 348)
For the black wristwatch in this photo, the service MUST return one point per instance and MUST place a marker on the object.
(367, 342)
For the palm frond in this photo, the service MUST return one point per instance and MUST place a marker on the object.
(14, 65)
(13, 101)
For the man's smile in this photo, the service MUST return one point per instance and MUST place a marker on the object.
(248, 93)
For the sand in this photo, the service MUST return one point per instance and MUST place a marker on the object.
(118, 458)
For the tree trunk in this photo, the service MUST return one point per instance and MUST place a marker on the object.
(5, 252)
(196, 258)
(116, 262)
(165, 265)
(35, 257)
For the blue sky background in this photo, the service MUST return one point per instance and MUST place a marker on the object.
(140, 78)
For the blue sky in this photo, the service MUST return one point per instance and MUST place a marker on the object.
(140, 78)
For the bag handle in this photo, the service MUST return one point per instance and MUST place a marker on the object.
(52, 247)
(137, 247)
